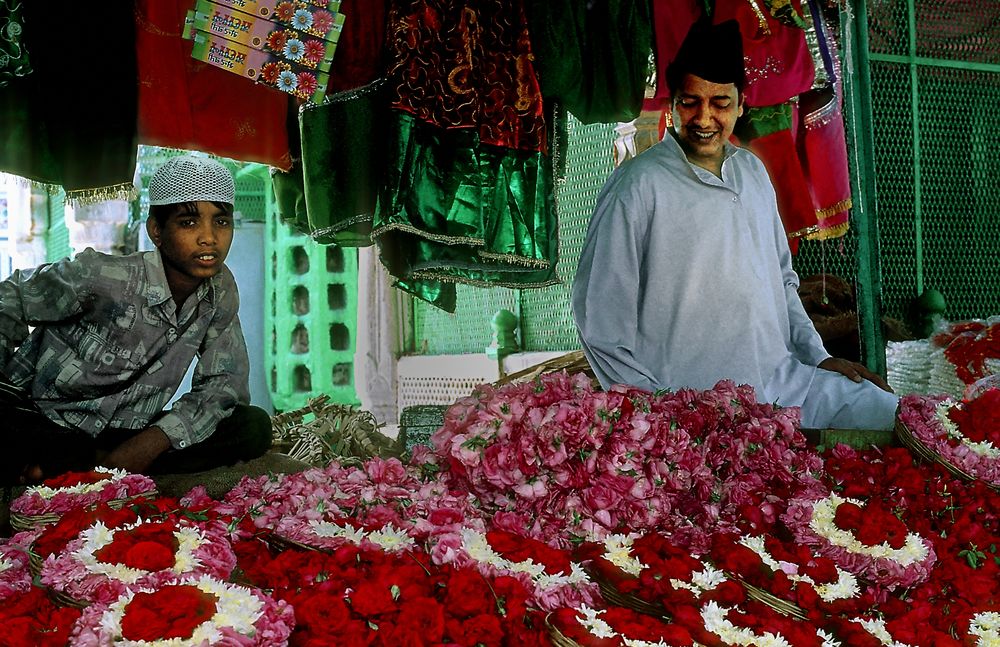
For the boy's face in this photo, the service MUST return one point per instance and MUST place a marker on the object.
(193, 245)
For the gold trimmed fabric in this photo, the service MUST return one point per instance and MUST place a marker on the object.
(455, 210)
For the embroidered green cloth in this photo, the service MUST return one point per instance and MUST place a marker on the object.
(13, 54)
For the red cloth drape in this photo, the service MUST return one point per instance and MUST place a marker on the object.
(184, 103)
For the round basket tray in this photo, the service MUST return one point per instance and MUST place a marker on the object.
(35, 562)
(611, 593)
(916, 446)
(62, 599)
(21, 522)
(783, 607)
(278, 542)
(558, 638)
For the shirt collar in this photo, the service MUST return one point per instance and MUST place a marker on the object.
(729, 151)
(157, 288)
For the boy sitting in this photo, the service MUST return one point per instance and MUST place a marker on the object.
(94, 348)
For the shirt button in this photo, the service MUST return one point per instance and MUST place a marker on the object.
(183, 444)
(98, 424)
(736, 198)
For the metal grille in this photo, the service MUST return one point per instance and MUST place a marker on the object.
(547, 322)
(936, 141)
(544, 314)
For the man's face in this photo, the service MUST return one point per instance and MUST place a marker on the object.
(193, 245)
(704, 115)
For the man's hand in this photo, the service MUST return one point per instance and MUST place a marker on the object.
(854, 371)
(138, 452)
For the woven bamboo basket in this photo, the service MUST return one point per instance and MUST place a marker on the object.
(783, 607)
(611, 593)
(35, 562)
(62, 599)
(916, 446)
(558, 638)
(21, 522)
(572, 362)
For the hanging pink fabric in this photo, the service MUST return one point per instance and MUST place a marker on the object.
(778, 63)
(184, 103)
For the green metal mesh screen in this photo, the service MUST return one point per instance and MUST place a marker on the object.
(935, 144)
(544, 314)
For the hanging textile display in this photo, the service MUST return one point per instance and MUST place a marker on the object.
(343, 161)
(56, 126)
(468, 190)
(330, 191)
(592, 57)
(792, 116)
(13, 54)
(189, 104)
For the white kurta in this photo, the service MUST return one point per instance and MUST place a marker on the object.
(686, 279)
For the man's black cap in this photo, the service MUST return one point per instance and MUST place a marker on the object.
(712, 52)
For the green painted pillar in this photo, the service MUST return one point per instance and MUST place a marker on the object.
(860, 133)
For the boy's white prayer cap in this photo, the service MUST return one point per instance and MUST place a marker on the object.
(187, 178)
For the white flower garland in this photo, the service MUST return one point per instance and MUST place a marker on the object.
(388, 538)
(237, 608)
(714, 617)
(618, 551)
(479, 549)
(876, 627)
(913, 551)
(98, 536)
(986, 627)
(47, 492)
(845, 587)
(984, 448)
(592, 622)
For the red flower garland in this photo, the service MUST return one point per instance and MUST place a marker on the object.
(148, 547)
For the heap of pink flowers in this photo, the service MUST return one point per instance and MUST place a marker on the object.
(558, 460)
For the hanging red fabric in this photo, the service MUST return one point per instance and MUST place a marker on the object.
(184, 103)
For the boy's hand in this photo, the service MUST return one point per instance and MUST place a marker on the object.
(138, 452)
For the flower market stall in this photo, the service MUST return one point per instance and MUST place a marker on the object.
(544, 512)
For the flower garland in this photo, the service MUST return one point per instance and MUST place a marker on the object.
(548, 573)
(945, 427)
(876, 547)
(15, 575)
(103, 563)
(81, 489)
(814, 584)
(985, 626)
(241, 616)
(759, 626)
(618, 626)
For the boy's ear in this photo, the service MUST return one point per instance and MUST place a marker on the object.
(153, 229)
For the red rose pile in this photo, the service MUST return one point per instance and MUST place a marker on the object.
(592, 628)
(979, 419)
(55, 537)
(32, 619)
(354, 596)
(516, 548)
(70, 479)
(172, 611)
(872, 525)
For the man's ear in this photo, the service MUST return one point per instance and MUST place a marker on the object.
(153, 229)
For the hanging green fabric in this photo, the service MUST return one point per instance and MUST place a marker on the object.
(593, 57)
(13, 54)
(343, 159)
(72, 121)
(454, 210)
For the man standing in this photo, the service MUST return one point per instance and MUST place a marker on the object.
(685, 278)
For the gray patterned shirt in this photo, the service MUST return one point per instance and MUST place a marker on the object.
(108, 347)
